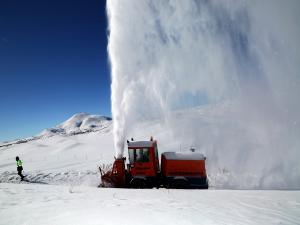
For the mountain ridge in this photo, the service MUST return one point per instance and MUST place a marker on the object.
(79, 123)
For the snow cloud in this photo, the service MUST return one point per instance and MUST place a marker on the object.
(231, 67)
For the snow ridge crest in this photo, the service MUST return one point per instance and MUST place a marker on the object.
(79, 123)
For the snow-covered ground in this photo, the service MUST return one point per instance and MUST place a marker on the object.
(23, 204)
(61, 165)
(65, 154)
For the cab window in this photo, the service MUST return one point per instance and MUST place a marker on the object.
(156, 152)
(138, 155)
(131, 153)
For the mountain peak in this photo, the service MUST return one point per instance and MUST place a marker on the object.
(79, 123)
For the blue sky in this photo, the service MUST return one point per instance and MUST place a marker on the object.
(53, 63)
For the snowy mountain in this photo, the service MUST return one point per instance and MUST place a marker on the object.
(80, 123)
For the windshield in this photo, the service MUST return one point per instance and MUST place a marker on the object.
(138, 155)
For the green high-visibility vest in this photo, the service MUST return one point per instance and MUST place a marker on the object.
(19, 163)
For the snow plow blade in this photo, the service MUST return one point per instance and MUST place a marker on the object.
(114, 177)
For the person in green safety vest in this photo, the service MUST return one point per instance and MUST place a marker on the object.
(19, 167)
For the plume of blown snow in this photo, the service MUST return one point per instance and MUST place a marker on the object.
(238, 62)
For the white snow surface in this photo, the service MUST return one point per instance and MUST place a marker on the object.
(60, 205)
(63, 176)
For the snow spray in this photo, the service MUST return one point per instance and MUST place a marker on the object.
(222, 76)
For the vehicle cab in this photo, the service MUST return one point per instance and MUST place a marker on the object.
(143, 158)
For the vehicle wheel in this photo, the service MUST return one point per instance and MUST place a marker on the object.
(180, 184)
(205, 186)
(138, 183)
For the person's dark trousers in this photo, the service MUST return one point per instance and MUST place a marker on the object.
(20, 168)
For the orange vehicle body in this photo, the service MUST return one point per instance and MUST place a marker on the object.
(178, 170)
(185, 170)
(148, 167)
(182, 167)
(116, 176)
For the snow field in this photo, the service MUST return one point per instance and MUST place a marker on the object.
(32, 204)
(60, 153)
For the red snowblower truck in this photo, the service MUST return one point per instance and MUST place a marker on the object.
(177, 170)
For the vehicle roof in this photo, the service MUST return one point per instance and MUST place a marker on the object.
(183, 156)
(141, 144)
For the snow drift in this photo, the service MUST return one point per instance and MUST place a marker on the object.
(231, 66)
